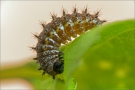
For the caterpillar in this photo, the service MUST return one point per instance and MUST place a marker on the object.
(59, 31)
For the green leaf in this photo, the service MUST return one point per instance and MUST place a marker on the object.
(103, 58)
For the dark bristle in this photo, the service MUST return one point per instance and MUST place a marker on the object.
(54, 16)
(75, 10)
(85, 11)
(60, 53)
(40, 68)
(42, 24)
(63, 11)
(87, 14)
(64, 18)
(33, 48)
(97, 13)
(43, 73)
(53, 77)
(103, 21)
(35, 58)
(35, 35)
(60, 57)
(75, 15)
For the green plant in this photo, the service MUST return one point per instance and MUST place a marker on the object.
(100, 59)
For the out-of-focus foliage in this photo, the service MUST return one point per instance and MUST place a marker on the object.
(100, 59)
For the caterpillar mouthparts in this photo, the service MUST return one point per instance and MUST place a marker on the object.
(59, 31)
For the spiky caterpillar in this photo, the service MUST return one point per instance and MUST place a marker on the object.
(59, 31)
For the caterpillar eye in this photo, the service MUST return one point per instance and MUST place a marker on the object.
(58, 67)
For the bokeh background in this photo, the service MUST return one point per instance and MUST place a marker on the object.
(21, 18)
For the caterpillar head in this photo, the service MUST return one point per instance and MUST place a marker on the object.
(58, 67)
